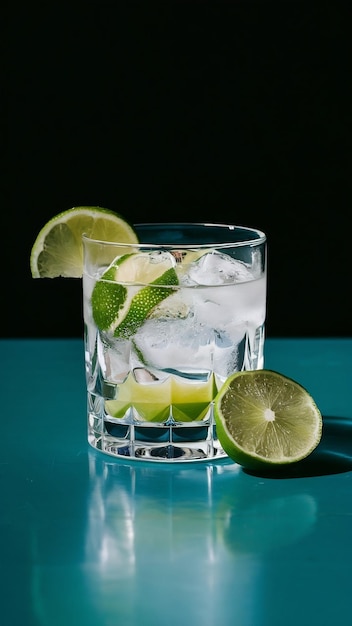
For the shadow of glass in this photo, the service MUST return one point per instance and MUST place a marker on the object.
(332, 456)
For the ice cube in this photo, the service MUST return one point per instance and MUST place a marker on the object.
(217, 268)
(113, 357)
(177, 343)
(176, 346)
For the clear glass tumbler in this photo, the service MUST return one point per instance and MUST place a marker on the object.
(166, 322)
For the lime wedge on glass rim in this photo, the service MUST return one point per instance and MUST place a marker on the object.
(130, 289)
(58, 251)
(265, 419)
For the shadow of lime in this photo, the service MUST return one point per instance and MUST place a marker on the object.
(332, 456)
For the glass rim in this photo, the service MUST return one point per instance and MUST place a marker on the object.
(258, 240)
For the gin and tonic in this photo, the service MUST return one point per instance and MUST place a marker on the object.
(166, 322)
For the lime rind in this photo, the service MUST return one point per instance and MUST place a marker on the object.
(266, 419)
(107, 300)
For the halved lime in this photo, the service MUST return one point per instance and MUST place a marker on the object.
(121, 302)
(265, 419)
(57, 250)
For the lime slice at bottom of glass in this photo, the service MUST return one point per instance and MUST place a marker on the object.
(155, 402)
(265, 419)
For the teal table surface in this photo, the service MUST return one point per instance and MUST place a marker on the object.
(86, 539)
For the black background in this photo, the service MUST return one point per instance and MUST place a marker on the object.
(233, 111)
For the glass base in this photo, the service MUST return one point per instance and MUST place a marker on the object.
(162, 442)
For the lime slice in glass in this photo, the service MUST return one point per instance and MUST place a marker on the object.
(265, 419)
(58, 251)
(130, 289)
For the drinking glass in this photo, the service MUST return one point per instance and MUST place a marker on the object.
(157, 350)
